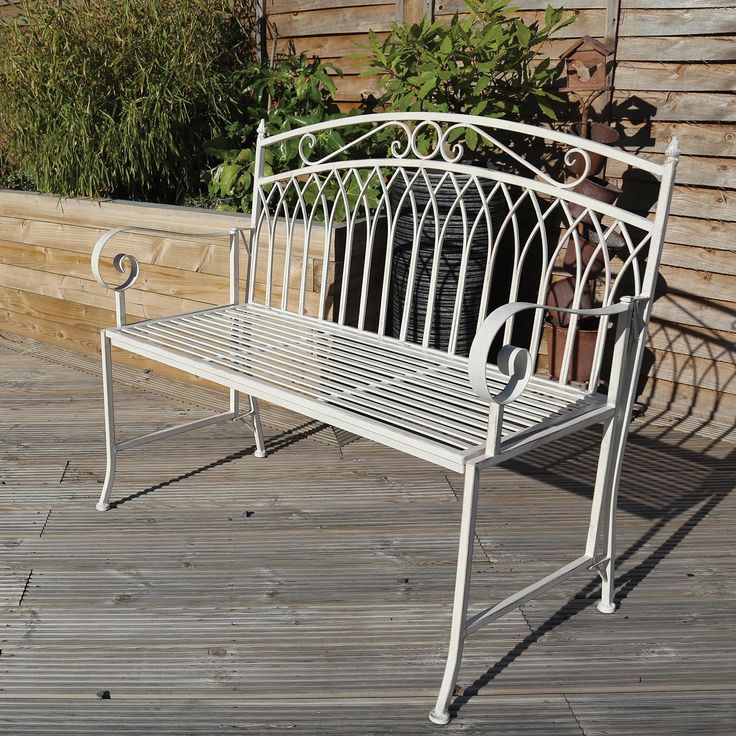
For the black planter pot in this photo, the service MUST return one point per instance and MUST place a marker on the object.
(445, 296)
(445, 195)
(450, 259)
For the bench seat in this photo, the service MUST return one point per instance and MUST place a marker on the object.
(418, 401)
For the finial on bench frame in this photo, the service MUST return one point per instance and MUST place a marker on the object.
(672, 153)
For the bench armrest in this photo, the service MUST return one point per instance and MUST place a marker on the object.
(514, 362)
(125, 263)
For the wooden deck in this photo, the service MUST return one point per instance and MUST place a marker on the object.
(308, 593)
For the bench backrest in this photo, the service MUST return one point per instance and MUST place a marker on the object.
(391, 230)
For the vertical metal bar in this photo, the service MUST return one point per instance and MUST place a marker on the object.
(616, 396)
(372, 221)
(515, 272)
(350, 218)
(417, 227)
(326, 251)
(110, 447)
(257, 428)
(307, 235)
(234, 298)
(234, 403)
(120, 308)
(389, 254)
(234, 265)
(441, 714)
(495, 425)
(290, 222)
(255, 227)
(438, 248)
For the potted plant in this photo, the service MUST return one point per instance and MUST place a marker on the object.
(486, 62)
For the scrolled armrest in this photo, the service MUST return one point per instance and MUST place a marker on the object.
(125, 262)
(515, 362)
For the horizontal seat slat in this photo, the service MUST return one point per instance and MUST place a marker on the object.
(423, 394)
(335, 396)
(426, 392)
(447, 384)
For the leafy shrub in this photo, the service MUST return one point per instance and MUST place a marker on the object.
(295, 91)
(114, 98)
(484, 63)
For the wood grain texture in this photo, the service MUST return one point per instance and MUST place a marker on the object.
(360, 19)
(689, 21)
(676, 48)
(309, 592)
(703, 77)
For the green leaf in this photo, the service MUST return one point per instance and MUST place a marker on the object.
(471, 138)
(228, 175)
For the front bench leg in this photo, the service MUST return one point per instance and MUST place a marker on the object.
(441, 713)
(104, 503)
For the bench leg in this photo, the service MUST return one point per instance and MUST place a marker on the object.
(255, 419)
(104, 503)
(441, 714)
(605, 500)
(257, 428)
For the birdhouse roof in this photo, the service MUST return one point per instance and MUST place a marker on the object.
(588, 41)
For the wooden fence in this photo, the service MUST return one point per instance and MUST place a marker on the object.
(674, 74)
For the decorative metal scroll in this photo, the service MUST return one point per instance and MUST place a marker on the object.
(440, 147)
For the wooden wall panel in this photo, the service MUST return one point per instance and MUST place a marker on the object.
(674, 76)
(47, 290)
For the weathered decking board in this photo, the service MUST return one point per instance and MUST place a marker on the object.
(309, 592)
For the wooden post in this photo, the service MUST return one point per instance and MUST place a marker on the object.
(412, 11)
(613, 13)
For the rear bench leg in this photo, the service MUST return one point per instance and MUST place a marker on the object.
(255, 420)
(257, 428)
(441, 714)
(104, 503)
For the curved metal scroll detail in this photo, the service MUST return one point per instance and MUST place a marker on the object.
(122, 262)
(438, 147)
(127, 263)
(514, 362)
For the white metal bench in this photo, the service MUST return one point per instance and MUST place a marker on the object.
(341, 365)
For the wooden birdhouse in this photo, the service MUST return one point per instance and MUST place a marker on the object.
(585, 66)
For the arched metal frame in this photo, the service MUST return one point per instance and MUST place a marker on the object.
(297, 200)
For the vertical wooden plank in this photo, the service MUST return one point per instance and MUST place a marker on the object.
(412, 11)
(610, 36)
(613, 12)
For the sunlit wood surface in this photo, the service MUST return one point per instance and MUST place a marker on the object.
(309, 592)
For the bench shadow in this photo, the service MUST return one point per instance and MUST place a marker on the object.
(662, 482)
(273, 444)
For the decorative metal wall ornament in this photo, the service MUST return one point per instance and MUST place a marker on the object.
(586, 73)
(340, 367)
